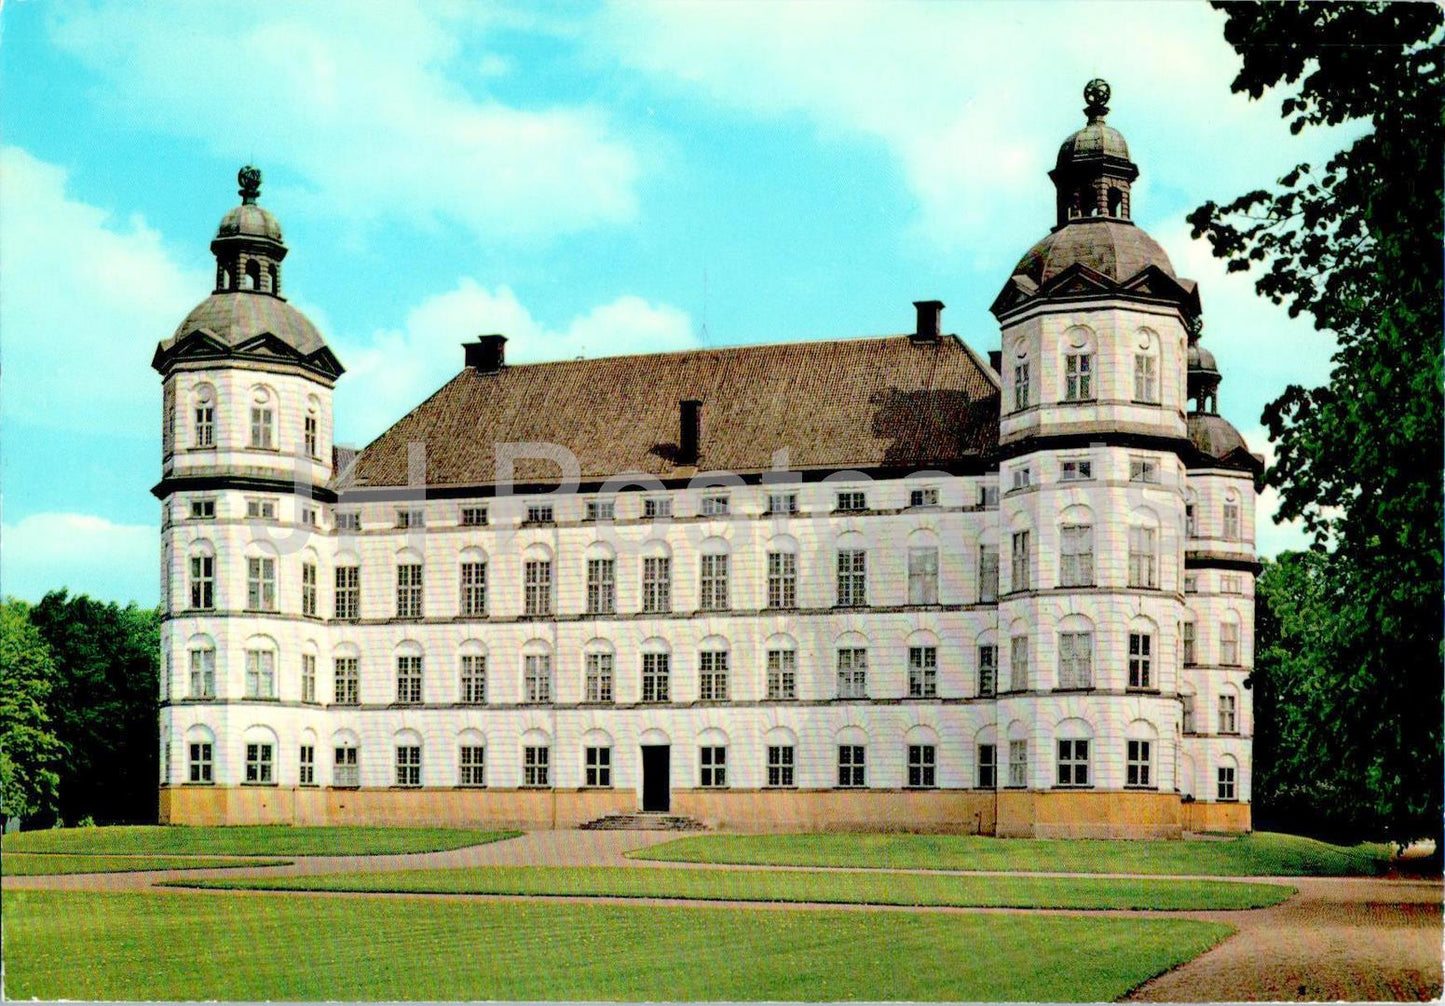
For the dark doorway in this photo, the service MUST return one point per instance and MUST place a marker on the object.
(656, 777)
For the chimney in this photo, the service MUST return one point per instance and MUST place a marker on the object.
(689, 434)
(930, 318)
(995, 360)
(487, 354)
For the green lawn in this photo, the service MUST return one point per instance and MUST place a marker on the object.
(183, 946)
(262, 840)
(24, 864)
(791, 885)
(1262, 854)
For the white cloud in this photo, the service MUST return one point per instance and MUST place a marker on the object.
(394, 370)
(376, 108)
(46, 551)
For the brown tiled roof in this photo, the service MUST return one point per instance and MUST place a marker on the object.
(862, 403)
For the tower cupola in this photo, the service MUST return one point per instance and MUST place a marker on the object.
(248, 246)
(1093, 172)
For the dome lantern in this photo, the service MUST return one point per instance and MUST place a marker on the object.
(248, 245)
(1093, 173)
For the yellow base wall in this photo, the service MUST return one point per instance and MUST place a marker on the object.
(1007, 813)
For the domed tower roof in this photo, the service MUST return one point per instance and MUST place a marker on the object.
(246, 317)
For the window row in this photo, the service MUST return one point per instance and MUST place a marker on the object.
(1078, 378)
(262, 420)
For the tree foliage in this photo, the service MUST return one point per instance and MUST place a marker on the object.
(1356, 244)
(104, 705)
(30, 753)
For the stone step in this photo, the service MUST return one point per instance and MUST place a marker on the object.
(646, 821)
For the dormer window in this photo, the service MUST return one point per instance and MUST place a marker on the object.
(923, 497)
(540, 513)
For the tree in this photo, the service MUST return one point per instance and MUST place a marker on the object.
(1356, 245)
(30, 752)
(104, 705)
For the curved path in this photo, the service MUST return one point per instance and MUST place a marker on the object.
(1338, 938)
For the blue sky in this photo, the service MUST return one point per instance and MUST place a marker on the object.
(589, 179)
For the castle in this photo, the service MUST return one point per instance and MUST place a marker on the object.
(867, 584)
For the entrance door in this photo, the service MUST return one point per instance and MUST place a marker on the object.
(656, 777)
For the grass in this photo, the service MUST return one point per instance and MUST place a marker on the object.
(24, 864)
(1262, 854)
(259, 840)
(790, 885)
(182, 946)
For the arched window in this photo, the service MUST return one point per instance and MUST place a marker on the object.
(306, 758)
(713, 581)
(1073, 764)
(1140, 753)
(472, 660)
(409, 673)
(201, 562)
(923, 567)
(852, 650)
(1227, 779)
(713, 670)
(200, 755)
(781, 668)
(1076, 653)
(920, 756)
(537, 671)
(656, 671)
(536, 759)
(1020, 656)
(597, 759)
(263, 418)
(1146, 368)
(346, 664)
(656, 577)
(203, 416)
(408, 745)
(346, 760)
(274, 275)
(852, 747)
(1018, 755)
(781, 750)
(712, 759)
(1023, 391)
(201, 654)
(1116, 202)
(471, 759)
(782, 586)
(252, 279)
(1076, 547)
(1078, 368)
(260, 667)
(311, 428)
(1231, 517)
(601, 562)
(260, 745)
(537, 580)
(599, 671)
(1143, 644)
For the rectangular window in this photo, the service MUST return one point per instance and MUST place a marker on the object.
(1191, 584)
(346, 767)
(713, 595)
(923, 497)
(537, 677)
(923, 575)
(408, 765)
(657, 506)
(1228, 715)
(712, 673)
(1018, 764)
(411, 517)
(203, 674)
(782, 503)
(540, 513)
(852, 500)
(1021, 386)
(852, 766)
(922, 766)
(601, 586)
(852, 577)
(1073, 763)
(988, 671)
(987, 766)
(1078, 377)
(1076, 470)
(308, 515)
(474, 589)
(1186, 714)
(307, 762)
(1022, 477)
(987, 574)
(713, 762)
(261, 584)
(1143, 561)
(201, 763)
(348, 592)
(261, 427)
(656, 584)
(348, 521)
(472, 766)
(780, 766)
(656, 677)
(260, 764)
(308, 677)
(782, 674)
(348, 681)
(782, 580)
(260, 509)
(1076, 558)
(1076, 660)
(1229, 584)
(988, 497)
(1143, 470)
(474, 516)
(1188, 646)
(203, 509)
(1141, 674)
(203, 581)
(1146, 378)
(1138, 764)
(408, 679)
(1019, 663)
(408, 590)
(309, 436)
(260, 674)
(1190, 530)
(601, 510)
(1229, 644)
(205, 426)
(1231, 522)
(598, 765)
(308, 589)
(537, 587)
(1022, 564)
(599, 677)
(474, 679)
(536, 766)
(1226, 782)
(853, 673)
(922, 672)
(714, 506)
